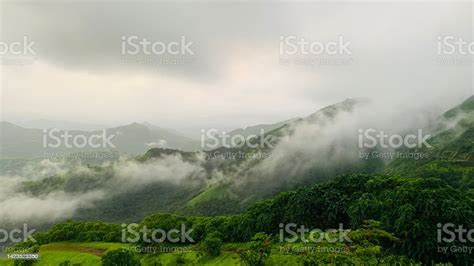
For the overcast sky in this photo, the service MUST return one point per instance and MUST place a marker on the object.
(237, 76)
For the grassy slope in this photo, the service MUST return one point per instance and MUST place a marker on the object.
(213, 192)
(90, 254)
(75, 253)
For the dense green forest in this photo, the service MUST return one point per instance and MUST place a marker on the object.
(397, 215)
(394, 211)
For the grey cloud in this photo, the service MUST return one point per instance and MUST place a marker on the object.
(394, 52)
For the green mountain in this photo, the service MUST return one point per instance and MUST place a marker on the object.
(137, 138)
(452, 154)
(225, 185)
(230, 185)
(257, 129)
(393, 211)
(246, 179)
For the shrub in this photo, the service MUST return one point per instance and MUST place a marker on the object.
(258, 251)
(119, 258)
(212, 244)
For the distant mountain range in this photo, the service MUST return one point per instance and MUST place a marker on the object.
(59, 124)
(231, 185)
(452, 142)
(135, 138)
(257, 129)
(17, 141)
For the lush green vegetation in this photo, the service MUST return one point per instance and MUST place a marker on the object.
(394, 215)
(367, 246)
(408, 210)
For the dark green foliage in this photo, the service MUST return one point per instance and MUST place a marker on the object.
(133, 206)
(180, 259)
(24, 262)
(33, 249)
(162, 152)
(45, 186)
(215, 207)
(320, 206)
(466, 106)
(119, 258)
(258, 250)
(80, 232)
(212, 244)
(394, 216)
(411, 209)
(166, 222)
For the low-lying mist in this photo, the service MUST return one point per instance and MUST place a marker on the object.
(48, 191)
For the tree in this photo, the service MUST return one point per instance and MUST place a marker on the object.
(119, 257)
(212, 244)
(258, 251)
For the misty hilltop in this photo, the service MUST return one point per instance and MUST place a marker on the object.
(132, 139)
